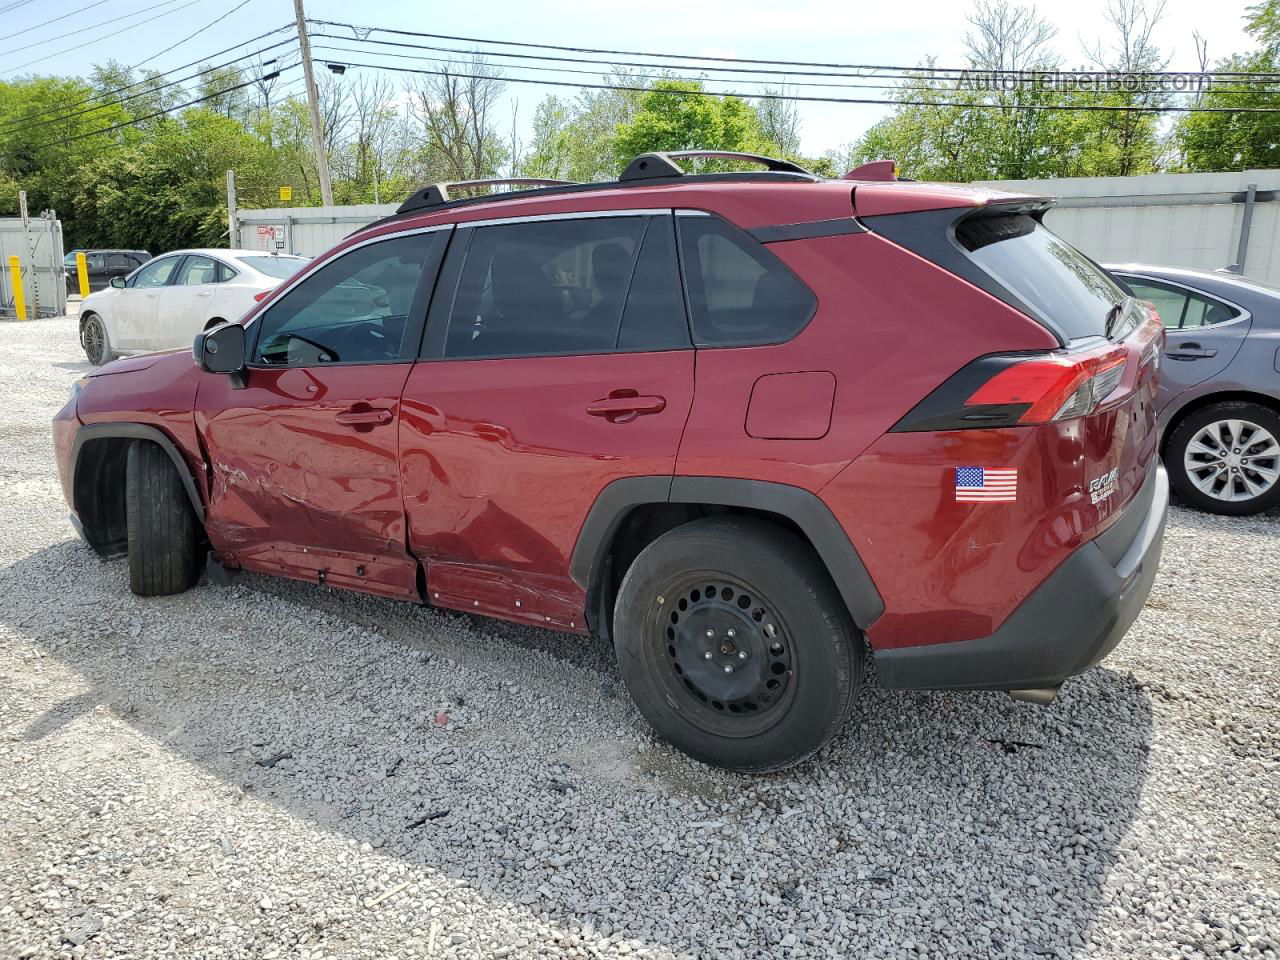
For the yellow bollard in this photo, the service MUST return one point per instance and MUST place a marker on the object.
(19, 295)
(82, 268)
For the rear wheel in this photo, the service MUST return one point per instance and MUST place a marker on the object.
(1225, 458)
(161, 524)
(735, 644)
(93, 336)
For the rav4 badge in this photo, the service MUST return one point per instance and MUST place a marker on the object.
(1104, 486)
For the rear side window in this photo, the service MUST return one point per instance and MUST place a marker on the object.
(1047, 273)
(562, 287)
(739, 293)
(1181, 309)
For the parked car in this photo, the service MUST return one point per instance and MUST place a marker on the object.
(165, 303)
(1219, 400)
(864, 410)
(103, 266)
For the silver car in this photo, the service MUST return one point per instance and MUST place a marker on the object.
(1219, 399)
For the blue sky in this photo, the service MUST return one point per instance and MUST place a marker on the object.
(814, 30)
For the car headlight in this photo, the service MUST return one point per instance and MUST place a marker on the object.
(77, 386)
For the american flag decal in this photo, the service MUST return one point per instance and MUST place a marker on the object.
(986, 484)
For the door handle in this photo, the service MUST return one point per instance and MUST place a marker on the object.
(1191, 351)
(363, 418)
(204, 293)
(624, 405)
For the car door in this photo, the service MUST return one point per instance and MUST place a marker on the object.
(186, 304)
(133, 308)
(118, 265)
(304, 478)
(1204, 333)
(97, 264)
(557, 360)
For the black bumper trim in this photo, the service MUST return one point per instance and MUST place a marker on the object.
(1068, 624)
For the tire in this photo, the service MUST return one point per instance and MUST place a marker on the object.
(216, 321)
(94, 339)
(1253, 485)
(777, 620)
(161, 524)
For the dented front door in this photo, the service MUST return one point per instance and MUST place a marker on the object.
(304, 479)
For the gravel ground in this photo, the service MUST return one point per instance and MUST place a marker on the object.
(274, 770)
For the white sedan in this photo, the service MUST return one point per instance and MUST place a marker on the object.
(164, 303)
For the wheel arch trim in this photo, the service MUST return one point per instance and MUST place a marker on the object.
(138, 431)
(805, 509)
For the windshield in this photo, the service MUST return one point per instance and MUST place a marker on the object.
(281, 268)
(1046, 272)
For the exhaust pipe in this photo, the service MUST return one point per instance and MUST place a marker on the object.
(1041, 696)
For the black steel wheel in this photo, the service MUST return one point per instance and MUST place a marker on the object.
(735, 644)
(728, 654)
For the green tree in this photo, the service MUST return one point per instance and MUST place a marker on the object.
(1238, 141)
(674, 115)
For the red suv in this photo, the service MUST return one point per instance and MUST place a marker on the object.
(754, 428)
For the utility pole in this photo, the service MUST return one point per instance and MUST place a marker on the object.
(313, 102)
(233, 215)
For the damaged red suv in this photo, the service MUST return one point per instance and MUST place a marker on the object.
(754, 428)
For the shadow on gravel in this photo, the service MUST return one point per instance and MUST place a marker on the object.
(965, 824)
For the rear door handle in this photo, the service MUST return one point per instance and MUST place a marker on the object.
(1191, 351)
(622, 408)
(363, 418)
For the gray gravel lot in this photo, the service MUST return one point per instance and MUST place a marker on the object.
(274, 770)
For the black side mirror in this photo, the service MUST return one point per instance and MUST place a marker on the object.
(118, 283)
(221, 350)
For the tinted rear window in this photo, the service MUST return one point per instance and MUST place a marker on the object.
(1050, 275)
(281, 268)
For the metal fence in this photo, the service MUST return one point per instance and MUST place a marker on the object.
(1202, 220)
(37, 243)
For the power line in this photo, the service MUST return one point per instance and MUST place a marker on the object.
(783, 63)
(106, 94)
(159, 113)
(92, 26)
(607, 64)
(105, 36)
(96, 3)
(782, 75)
(15, 6)
(193, 35)
(977, 105)
(596, 73)
(150, 90)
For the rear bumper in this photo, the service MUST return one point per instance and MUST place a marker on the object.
(1071, 621)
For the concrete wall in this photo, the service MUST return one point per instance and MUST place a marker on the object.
(1179, 219)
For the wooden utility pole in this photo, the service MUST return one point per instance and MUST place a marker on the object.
(313, 103)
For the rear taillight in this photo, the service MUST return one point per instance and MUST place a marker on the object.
(1054, 387)
(1015, 390)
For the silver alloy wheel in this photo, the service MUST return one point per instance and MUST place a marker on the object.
(94, 339)
(1232, 460)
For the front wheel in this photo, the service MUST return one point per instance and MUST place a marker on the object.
(162, 527)
(1225, 458)
(735, 644)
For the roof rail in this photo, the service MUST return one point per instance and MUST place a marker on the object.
(652, 166)
(436, 194)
